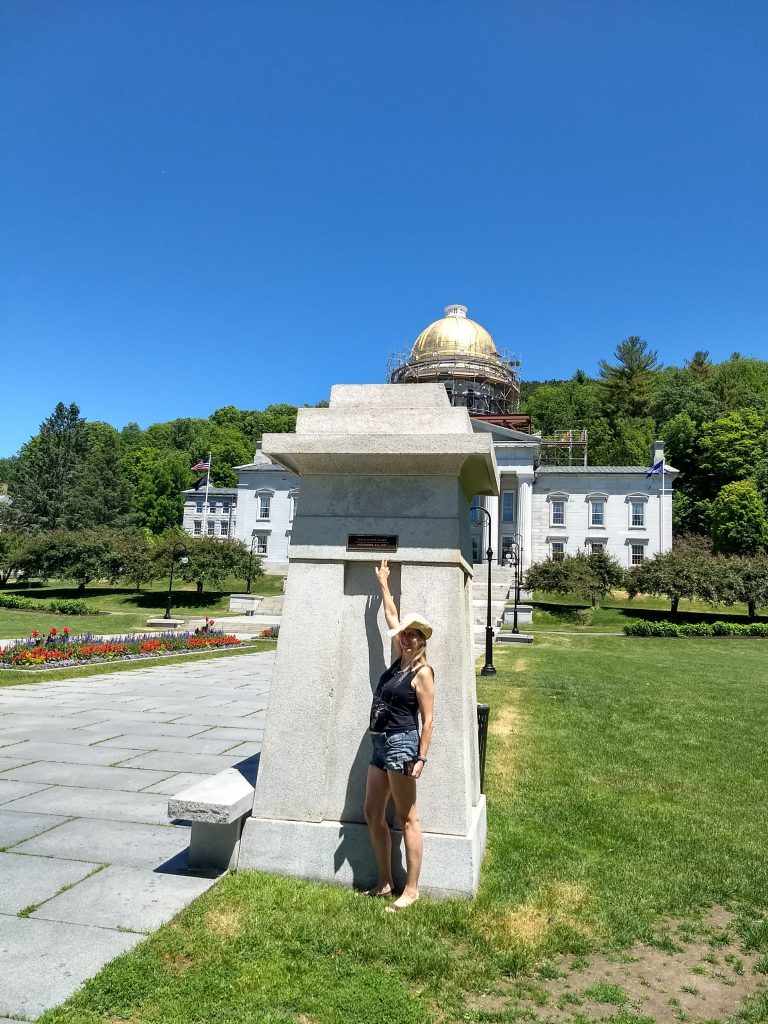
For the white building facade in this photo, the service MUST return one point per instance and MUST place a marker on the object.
(543, 511)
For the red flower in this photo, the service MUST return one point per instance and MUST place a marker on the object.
(34, 634)
(65, 631)
(54, 631)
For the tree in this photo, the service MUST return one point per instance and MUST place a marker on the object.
(213, 561)
(627, 384)
(157, 479)
(621, 442)
(13, 549)
(739, 523)
(102, 495)
(731, 448)
(752, 582)
(81, 555)
(48, 471)
(136, 558)
(673, 574)
(591, 576)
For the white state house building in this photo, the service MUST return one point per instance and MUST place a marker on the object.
(551, 500)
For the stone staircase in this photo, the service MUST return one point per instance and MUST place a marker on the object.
(502, 581)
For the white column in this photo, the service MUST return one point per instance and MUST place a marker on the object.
(524, 507)
(492, 504)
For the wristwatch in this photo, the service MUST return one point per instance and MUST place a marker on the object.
(422, 759)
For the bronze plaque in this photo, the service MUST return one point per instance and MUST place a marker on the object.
(371, 542)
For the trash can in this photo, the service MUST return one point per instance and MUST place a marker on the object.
(483, 711)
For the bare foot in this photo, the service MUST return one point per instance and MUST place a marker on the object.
(380, 889)
(402, 902)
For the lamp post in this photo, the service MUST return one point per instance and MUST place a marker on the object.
(518, 539)
(180, 552)
(515, 559)
(488, 668)
(250, 563)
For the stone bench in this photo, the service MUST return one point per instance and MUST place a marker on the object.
(216, 807)
(166, 623)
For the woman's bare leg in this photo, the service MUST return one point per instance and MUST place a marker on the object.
(376, 798)
(404, 794)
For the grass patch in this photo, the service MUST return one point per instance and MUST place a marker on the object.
(14, 677)
(625, 788)
(122, 609)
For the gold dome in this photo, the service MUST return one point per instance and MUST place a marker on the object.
(455, 334)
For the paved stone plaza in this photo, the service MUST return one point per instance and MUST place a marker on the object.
(89, 863)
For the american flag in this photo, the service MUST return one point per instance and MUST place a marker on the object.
(203, 464)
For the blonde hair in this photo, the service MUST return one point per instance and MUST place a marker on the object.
(419, 659)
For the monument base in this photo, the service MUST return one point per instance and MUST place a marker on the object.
(340, 853)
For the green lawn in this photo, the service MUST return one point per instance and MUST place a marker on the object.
(122, 609)
(569, 612)
(626, 786)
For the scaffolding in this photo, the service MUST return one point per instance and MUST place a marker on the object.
(481, 385)
(568, 448)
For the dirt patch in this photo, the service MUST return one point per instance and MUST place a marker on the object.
(224, 923)
(692, 972)
(506, 720)
(178, 963)
(558, 904)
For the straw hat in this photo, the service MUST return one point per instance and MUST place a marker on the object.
(413, 621)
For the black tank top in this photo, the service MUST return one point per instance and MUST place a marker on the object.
(395, 688)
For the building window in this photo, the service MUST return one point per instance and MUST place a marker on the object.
(597, 513)
(637, 553)
(225, 507)
(212, 507)
(198, 528)
(596, 547)
(558, 551)
(199, 506)
(476, 550)
(637, 515)
(508, 507)
(224, 529)
(558, 513)
(292, 504)
(261, 543)
(264, 506)
(474, 515)
(211, 527)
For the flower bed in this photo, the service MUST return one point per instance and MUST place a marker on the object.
(61, 649)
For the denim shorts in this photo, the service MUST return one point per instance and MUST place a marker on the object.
(392, 751)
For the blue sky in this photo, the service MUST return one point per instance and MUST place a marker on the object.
(245, 202)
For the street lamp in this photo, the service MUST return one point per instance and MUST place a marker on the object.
(180, 552)
(250, 563)
(487, 669)
(514, 559)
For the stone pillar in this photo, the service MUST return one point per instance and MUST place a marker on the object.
(384, 464)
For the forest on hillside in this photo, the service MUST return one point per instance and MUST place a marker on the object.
(713, 417)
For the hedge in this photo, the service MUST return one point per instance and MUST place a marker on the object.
(645, 628)
(59, 607)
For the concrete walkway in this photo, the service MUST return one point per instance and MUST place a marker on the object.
(89, 863)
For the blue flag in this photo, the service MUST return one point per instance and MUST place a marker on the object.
(656, 470)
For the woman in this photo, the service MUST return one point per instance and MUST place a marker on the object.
(406, 689)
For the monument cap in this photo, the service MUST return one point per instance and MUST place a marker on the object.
(413, 621)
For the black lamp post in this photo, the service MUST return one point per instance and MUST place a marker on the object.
(180, 552)
(488, 668)
(250, 564)
(516, 563)
(518, 539)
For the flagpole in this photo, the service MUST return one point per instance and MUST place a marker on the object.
(661, 514)
(207, 485)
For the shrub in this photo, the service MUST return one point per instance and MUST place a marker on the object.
(60, 607)
(644, 628)
(64, 607)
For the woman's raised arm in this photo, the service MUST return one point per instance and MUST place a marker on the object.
(390, 608)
